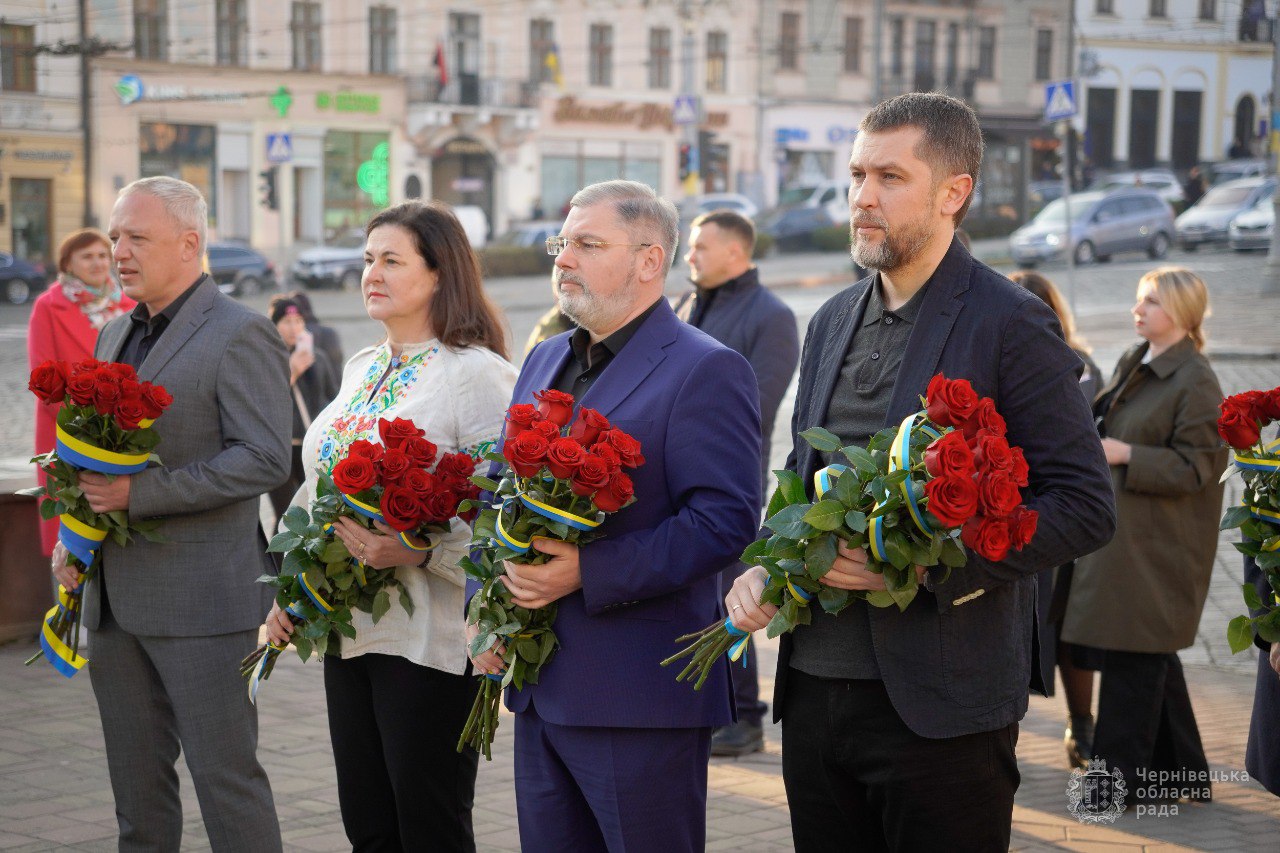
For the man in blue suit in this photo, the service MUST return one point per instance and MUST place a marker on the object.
(612, 752)
(899, 728)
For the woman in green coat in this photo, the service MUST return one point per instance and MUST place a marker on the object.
(1136, 602)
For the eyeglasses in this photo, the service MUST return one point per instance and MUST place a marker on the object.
(585, 248)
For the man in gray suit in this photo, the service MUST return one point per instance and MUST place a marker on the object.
(169, 621)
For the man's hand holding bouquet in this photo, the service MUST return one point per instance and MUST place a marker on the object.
(914, 498)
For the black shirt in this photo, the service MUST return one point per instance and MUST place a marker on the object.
(589, 360)
(145, 329)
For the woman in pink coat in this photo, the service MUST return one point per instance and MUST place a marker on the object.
(65, 322)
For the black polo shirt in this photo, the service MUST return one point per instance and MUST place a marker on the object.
(145, 329)
(589, 360)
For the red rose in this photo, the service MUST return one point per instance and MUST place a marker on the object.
(950, 401)
(130, 412)
(354, 474)
(587, 427)
(1022, 526)
(401, 508)
(546, 429)
(1236, 426)
(1268, 405)
(49, 381)
(393, 465)
(106, 393)
(366, 450)
(520, 417)
(987, 536)
(628, 448)
(1019, 470)
(991, 452)
(608, 455)
(563, 458)
(421, 482)
(526, 453)
(156, 399)
(440, 505)
(949, 455)
(421, 451)
(593, 474)
(984, 417)
(1246, 402)
(396, 432)
(80, 386)
(89, 365)
(952, 500)
(555, 406)
(121, 371)
(456, 465)
(617, 495)
(997, 493)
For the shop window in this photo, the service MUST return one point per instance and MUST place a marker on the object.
(952, 56)
(986, 53)
(17, 58)
(185, 151)
(464, 37)
(1208, 10)
(789, 41)
(382, 40)
(356, 179)
(1159, 9)
(1105, 7)
(926, 55)
(542, 45)
(717, 61)
(659, 58)
(232, 24)
(1044, 54)
(852, 45)
(897, 48)
(150, 23)
(564, 174)
(304, 28)
(601, 71)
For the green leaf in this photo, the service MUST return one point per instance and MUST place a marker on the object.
(1251, 598)
(880, 598)
(953, 554)
(821, 440)
(860, 458)
(833, 600)
(819, 554)
(282, 543)
(381, 604)
(346, 629)
(897, 550)
(303, 645)
(1234, 517)
(855, 521)
(789, 522)
(294, 563)
(296, 520)
(848, 490)
(1240, 634)
(753, 552)
(825, 515)
(528, 648)
(335, 552)
(485, 483)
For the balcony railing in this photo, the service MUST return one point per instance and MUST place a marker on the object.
(471, 90)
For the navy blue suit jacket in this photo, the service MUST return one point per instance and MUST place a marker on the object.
(653, 575)
(959, 660)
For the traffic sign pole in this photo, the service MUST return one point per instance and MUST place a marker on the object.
(1060, 107)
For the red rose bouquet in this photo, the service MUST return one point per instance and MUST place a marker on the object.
(320, 582)
(561, 476)
(1243, 418)
(944, 478)
(103, 425)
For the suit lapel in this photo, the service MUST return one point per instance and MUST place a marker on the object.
(112, 339)
(190, 317)
(830, 358)
(629, 368)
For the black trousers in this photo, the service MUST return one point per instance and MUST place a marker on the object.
(858, 779)
(402, 785)
(1145, 720)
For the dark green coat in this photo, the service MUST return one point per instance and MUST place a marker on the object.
(1145, 590)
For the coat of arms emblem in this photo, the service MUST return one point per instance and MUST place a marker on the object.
(1096, 795)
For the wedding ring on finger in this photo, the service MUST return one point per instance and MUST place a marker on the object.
(735, 607)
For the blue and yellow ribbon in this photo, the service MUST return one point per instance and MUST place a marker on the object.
(312, 594)
(60, 656)
(508, 541)
(81, 454)
(824, 479)
(1249, 462)
(548, 511)
(79, 538)
(799, 594)
(739, 647)
(375, 513)
(900, 459)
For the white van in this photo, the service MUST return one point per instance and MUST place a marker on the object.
(474, 222)
(831, 196)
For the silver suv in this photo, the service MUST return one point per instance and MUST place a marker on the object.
(1102, 224)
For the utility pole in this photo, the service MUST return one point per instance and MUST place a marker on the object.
(877, 52)
(692, 167)
(1273, 260)
(1068, 166)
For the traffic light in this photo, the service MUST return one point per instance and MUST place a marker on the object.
(685, 150)
(268, 189)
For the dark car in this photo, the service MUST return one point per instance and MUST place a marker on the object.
(530, 235)
(20, 280)
(338, 263)
(792, 227)
(239, 270)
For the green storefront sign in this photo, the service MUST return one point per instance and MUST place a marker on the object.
(349, 102)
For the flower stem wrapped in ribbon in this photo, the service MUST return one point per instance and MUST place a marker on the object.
(562, 475)
(103, 425)
(1243, 418)
(321, 584)
(918, 494)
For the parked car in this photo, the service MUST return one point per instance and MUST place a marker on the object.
(1234, 170)
(830, 196)
(20, 280)
(1040, 193)
(1206, 221)
(1162, 181)
(239, 270)
(792, 227)
(338, 264)
(530, 235)
(1253, 228)
(736, 202)
(475, 222)
(1102, 224)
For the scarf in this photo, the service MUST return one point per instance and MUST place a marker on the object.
(98, 308)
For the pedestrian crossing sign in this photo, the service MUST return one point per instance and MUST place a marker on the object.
(1060, 100)
(279, 148)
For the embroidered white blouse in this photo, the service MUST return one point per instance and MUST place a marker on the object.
(459, 398)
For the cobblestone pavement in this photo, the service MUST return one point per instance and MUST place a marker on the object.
(54, 792)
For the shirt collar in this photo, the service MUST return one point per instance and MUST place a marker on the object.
(587, 354)
(742, 282)
(1172, 358)
(907, 313)
(165, 317)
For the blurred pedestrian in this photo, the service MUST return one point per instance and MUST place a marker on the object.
(729, 303)
(326, 337)
(64, 326)
(399, 693)
(552, 323)
(1194, 189)
(1054, 584)
(1137, 601)
(313, 381)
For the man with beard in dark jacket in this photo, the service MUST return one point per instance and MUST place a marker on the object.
(729, 303)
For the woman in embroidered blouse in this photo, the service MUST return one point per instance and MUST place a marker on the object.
(65, 322)
(399, 693)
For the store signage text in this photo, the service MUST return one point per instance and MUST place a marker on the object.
(349, 102)
(644, 116)
(130, 90)
(56, 156)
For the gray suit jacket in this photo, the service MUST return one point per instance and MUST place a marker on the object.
(224, 442)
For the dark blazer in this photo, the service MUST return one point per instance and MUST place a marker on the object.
(224, 442)
(655, 573)
(960, 659)
(749, 319)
